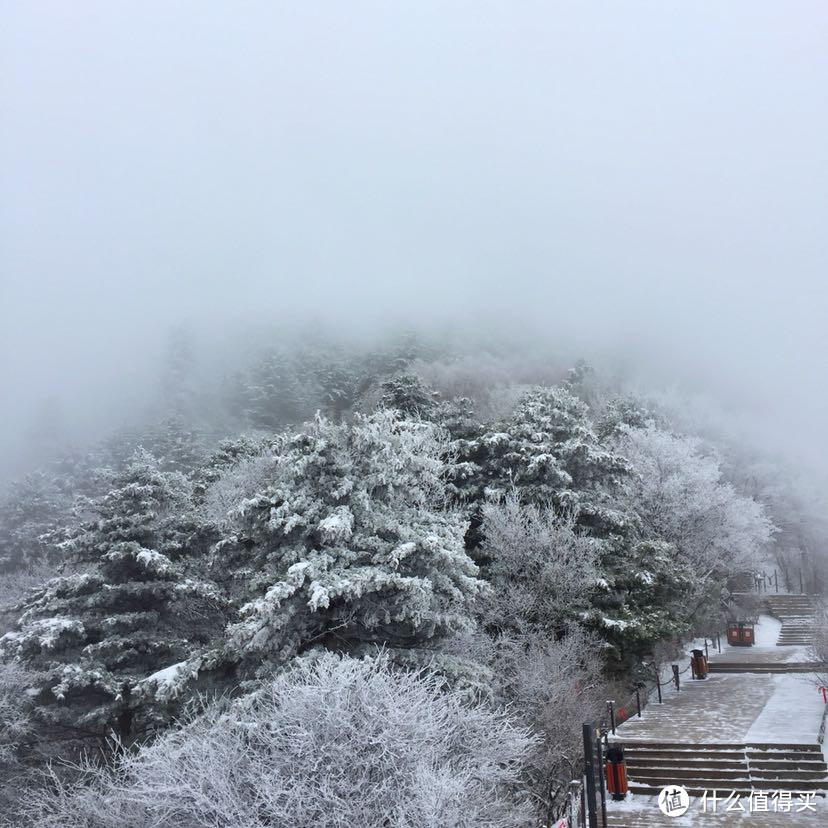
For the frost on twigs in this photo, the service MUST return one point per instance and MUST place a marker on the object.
(330, 736)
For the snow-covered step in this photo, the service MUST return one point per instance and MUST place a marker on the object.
(762, 667)
(725, 766)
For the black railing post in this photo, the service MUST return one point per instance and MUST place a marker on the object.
(638, 698)
(719, 641)
(611, 706)
(589, 768)
(776, 580)
(706, 654)
(658, 685)
(600, 755)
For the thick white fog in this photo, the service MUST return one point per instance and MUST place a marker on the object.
(644, 183)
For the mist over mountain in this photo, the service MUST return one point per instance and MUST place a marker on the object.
(644, 183)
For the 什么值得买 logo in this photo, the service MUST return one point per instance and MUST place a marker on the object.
(673, 801)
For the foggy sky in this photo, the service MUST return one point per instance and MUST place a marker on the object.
(639, 178)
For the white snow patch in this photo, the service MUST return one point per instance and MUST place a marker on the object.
(792, 714)
(167, 676)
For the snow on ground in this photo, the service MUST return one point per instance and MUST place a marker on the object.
(643, 812)
(736, 707)
(793, 712)
(766, 632)
(721, 708)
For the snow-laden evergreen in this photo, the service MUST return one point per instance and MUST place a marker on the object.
(349, 544)
(134, 603)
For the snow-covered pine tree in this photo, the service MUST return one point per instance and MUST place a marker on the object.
(409, 395)
(640, 600)
(136, 603)
(550, 454)
(348, 545)
(176, 443)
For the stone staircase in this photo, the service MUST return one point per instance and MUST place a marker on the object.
(797, 614)
(724, 767)
(764, 667)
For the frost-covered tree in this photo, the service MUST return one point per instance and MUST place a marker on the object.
(275, 392)
(680, 497)
(409, 395)
(347, 545)
(15, 710)
(287, 385)
(541, 570)
(551, 687)
(643, 597)
(333, 741)
(17, 731)
(135, 603)
(549, 453)
(625, 412)
(176, 443)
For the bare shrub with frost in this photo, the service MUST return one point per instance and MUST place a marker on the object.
(15, 706)
(541, 570)
(334, 742)
(17, 736)
(15, 586)
(236, 485)
(552, 687)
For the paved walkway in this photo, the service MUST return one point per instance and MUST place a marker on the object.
(722, 708)
(784, 708)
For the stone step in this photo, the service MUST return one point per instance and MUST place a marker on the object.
(789, 774)
(644, 774)
(754, 667)
(648, 762)
(800, 762)
(793, 764)
(702, 748)
(776, 748)
(687, 747)
(701, 786)
(652, 756)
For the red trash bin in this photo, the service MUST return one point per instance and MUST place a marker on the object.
(616, 770)
(698, 665)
